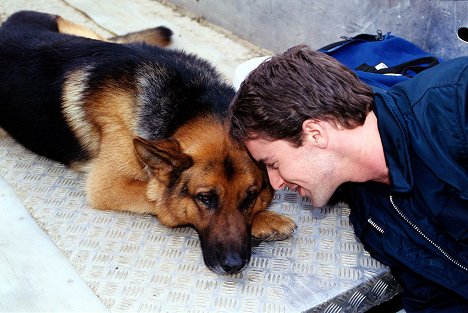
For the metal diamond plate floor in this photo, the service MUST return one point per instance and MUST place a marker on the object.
(131, 262)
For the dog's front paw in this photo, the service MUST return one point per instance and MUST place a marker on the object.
(269, 226)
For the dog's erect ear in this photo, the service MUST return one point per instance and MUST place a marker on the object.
(162, 156)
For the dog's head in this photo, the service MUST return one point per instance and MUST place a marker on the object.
(202, 179)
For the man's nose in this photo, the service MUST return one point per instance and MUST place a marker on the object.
(276, 181)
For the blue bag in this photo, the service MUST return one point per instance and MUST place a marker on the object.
(381, 60)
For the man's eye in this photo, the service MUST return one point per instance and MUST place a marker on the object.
(208, 199)
(271, 166)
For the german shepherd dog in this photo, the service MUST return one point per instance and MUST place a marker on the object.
(147, 125)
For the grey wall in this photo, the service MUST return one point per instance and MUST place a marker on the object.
(279, 24)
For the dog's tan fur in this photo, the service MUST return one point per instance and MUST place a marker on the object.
(149, 36)
(68, 27)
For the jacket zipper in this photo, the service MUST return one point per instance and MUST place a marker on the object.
(416, 228)
(379, 229)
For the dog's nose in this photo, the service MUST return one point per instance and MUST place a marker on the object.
(233, 263)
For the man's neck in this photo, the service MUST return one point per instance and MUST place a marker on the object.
(374, 157)
(363, 157)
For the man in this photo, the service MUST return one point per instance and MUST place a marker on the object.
(400, 159)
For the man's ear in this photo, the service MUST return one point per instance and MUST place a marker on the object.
(162, 156)
(315, 132)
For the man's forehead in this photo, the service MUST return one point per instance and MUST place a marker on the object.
(259, 149)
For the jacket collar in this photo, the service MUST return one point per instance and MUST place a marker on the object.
(394, 136)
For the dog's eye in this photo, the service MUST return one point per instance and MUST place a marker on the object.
(208, 199)
(249, 200)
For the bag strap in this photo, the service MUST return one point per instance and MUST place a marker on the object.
(415, 66)
(360, 38)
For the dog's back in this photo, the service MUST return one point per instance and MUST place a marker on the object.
(47, 78)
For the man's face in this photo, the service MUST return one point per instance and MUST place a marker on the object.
(307, 169)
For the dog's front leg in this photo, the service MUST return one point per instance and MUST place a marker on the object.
(268, 225)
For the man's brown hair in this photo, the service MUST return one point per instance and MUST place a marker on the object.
(300, 84)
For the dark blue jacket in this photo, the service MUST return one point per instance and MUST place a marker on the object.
(419, 224)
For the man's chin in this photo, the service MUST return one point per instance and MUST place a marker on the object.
(316, 202)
